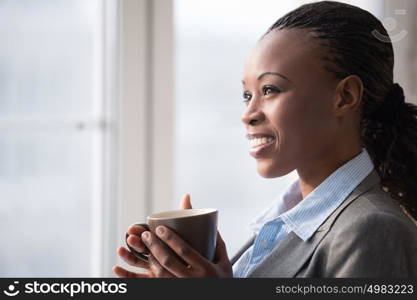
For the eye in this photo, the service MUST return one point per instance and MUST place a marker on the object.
(246, 97)
(268, 89)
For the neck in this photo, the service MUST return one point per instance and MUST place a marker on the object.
(322, 166)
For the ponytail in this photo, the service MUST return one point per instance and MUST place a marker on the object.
(389, 134)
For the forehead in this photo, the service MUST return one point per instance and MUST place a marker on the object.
(291, 52)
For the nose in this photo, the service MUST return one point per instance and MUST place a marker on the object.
(252, 116)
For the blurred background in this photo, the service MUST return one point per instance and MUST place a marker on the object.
(113, 109)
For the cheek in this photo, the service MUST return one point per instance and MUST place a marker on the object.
(300, 126)
(312, 129)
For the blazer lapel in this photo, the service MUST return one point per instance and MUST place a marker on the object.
(288, 257)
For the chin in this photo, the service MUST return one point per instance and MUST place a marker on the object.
(270, 170)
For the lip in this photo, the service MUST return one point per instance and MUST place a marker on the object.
(260, 150)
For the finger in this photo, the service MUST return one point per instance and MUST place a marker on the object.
(136, 229)
(221, 251)
(185, 202)
(182, 249)
(136, 243)
(130, 259)
(157, 270)
(163, 254)
(123, 273)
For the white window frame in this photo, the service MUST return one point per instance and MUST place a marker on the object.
(145, 119)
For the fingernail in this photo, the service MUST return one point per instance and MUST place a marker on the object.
(160, 230)
(145, 235)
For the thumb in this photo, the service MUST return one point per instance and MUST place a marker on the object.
(185, 202)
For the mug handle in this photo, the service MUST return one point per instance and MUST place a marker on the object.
(142, 256)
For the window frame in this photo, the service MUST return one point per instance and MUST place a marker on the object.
(145, 117)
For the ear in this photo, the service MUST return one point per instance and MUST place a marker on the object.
(348, 95)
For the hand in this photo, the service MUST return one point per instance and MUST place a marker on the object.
(165, 264)
(135, 241)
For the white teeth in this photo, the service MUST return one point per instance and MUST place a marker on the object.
(260, 141)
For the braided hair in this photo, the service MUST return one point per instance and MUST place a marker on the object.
(388, 125)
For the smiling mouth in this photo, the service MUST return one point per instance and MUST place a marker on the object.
(261, 141)
(259, 145)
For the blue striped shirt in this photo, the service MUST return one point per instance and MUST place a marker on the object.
(303, 218)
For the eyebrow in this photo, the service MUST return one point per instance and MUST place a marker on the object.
(270, 73)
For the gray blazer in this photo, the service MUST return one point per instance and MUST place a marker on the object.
(368, 235)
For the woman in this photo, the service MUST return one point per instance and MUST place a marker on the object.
(320, 98)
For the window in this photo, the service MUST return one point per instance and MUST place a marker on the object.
(52, 136)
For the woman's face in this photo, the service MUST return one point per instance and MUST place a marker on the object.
(289, 99)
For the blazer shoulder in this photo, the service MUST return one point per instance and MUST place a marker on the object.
(374, 208)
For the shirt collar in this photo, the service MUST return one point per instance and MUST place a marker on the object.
(305, 217)
(278, 206)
